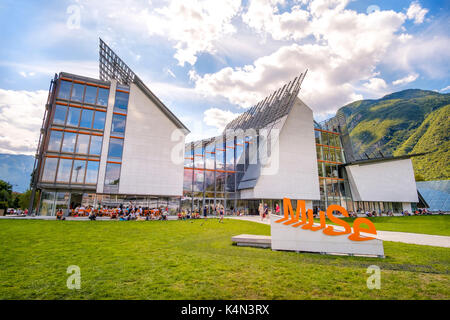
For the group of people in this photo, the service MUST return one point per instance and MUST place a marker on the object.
(121, 213)
(264, 210)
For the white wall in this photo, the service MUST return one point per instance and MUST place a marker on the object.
(147, 167)
(297, 176)
(388, 181)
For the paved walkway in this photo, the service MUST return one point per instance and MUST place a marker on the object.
(405, 237)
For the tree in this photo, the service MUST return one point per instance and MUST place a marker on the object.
(6, 198)
(24, 199)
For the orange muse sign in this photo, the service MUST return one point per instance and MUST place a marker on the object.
(305, 220)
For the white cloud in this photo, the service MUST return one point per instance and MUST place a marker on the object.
(447, 88)
(376, 84)
(21, 115)
(347, 49)
(193, 25)
(416, 12)
(264, 16)
(407, 79)
(218, 118)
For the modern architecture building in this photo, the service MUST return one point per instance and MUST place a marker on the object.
(112, 141)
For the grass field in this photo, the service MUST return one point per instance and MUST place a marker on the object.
(184, 260)
(435, 224)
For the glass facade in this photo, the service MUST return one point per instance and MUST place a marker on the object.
(76, 135)
(333, 182)
(118, 125)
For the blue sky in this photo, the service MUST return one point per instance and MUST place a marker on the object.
(209, 61)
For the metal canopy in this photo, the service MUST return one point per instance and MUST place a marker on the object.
(273, 107)
(112, 67)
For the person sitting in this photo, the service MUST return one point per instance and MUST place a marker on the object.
(92, 215)
(60, 215)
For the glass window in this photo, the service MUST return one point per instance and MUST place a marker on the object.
(77, 92)
(86, 118)
(55, 141)
(79, 167)
(73, 117)
(64, 90)
(115, 149)
(99, 120)
(50, 169)
(65, 166)
(91, 172)
(103, 95)
(112, 175)
(90, 95)
(121, 103)
(69, 142)
(118, 124)
(47, 203)
(96, 145)
(83, 144)
(60, 115)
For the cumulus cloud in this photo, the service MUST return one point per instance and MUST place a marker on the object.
(447, 88)
(218, 118)
(416, 12)
(407, 79)
(21, 115)
(193, 25)
(264, 17)
(376, 84)
(338, 63)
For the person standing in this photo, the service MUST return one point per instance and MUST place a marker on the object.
(221, 212)
(261, 211)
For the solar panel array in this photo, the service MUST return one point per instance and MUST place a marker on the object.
(112, 67)
(273, 107)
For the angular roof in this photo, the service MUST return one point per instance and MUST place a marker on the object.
(112, 67)
(270, 109)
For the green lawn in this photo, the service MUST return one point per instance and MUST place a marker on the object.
(435, 224)
(184, 260)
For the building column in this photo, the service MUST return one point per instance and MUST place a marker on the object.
(407, 206)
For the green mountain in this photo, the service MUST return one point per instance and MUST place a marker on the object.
(16, 169)
(406, 122)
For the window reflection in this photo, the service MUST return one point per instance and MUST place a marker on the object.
(65, 166)
(96, 145)
(64, 90)
(73, 117)
(90, 95)
(49, 169)
(69, 142)
(86, 118)
(79, 167)
(121, 103)
(115, 149)
(83, 143)
(60, 115)
(112, 175)
(118, 124)
(55, 141)
(91, 172)
(99, 120)
(103, 95)
(77, 92)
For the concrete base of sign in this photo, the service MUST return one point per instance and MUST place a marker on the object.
(250, 240)
(285, 237)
